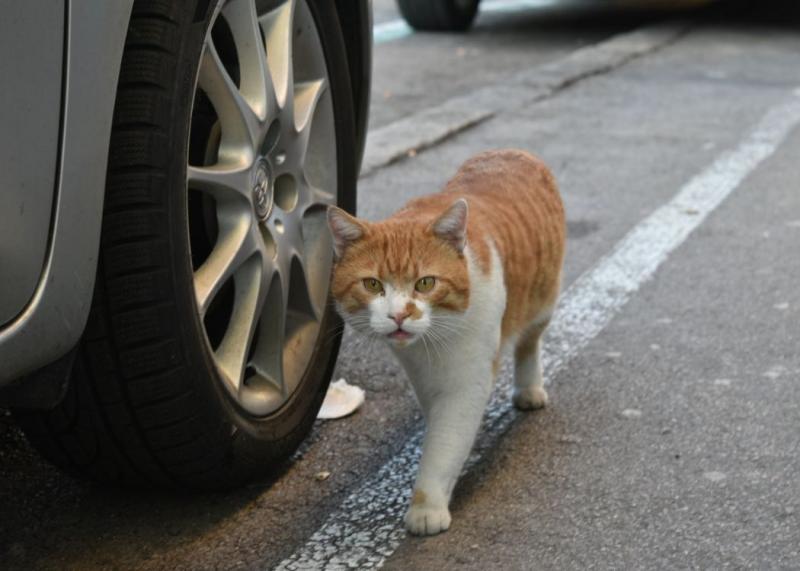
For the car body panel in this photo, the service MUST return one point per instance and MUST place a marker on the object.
(54, 318)
(30, 109)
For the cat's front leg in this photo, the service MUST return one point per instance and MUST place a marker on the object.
(453, 408)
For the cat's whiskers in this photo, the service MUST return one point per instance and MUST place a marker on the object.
(454, 323)
(437, 342)
(425, 344)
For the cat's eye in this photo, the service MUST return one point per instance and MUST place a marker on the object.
(373, 285)
(425, 284)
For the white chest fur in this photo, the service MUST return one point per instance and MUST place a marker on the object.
(453, 388)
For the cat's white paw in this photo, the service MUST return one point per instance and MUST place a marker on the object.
(427, 519)
(530, 398)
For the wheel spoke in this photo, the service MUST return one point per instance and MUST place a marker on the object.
(277, 25)
(318, 256)
(233, 247)
(220, 181)
(301, 299)
(233, 351)
(268, 357)
(288, 234)
(240, 126)
(256, 83)
(314, 197)
(306, 96)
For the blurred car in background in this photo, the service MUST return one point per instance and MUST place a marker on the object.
(458, 15)
(164, 315)
(439, 15)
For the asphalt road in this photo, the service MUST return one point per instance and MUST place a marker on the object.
(672, 438)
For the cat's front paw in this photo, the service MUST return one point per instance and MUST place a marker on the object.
(530, 398)
(427, 519)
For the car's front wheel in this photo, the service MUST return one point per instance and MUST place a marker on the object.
(211, 341)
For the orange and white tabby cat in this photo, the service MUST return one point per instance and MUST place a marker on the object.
(450, 281)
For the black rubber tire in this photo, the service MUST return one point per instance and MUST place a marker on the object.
(439, 15)
(144, 405)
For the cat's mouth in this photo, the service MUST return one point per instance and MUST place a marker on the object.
(400, 335)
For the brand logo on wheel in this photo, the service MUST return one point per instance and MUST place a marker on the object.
(262, 196)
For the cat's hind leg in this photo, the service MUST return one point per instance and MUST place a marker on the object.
(529, 390)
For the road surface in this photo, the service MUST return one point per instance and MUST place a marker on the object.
(674, 370)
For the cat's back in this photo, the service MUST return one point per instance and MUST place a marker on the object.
(513, 199)
(515, 207)
(505, 175)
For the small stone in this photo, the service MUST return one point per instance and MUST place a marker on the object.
(714, 476)
(793, 224)
(655, 347)
(722, 382)
(322, 476)
(412, 153)
(613, 354)
(461, 52)
(691, 211)
(664, 320)
(631, 413)
(781, 306)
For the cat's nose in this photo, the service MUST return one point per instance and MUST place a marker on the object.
(399, 317)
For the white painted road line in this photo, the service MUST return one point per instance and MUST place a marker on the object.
(398, 29)
(367, 528)
(390, 31)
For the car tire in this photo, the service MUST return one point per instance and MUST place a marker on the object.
(147, 403)
(439, 15)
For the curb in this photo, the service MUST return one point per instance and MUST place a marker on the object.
(393, 142)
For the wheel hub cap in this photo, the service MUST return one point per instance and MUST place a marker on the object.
(262, 192)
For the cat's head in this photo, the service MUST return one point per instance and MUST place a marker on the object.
(403, 279)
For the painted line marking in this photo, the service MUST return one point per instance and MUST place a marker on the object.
(390, 31)
(398, 29)
(367, 528)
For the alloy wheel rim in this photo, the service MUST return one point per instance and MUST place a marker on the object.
(261, 172)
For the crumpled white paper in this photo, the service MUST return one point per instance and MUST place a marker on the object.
(341, 400)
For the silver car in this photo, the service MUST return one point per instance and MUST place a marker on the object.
(164, 258)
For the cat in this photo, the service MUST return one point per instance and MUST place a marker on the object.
(449, 282)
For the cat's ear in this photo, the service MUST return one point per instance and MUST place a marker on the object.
(345, 229)
(452, 225)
